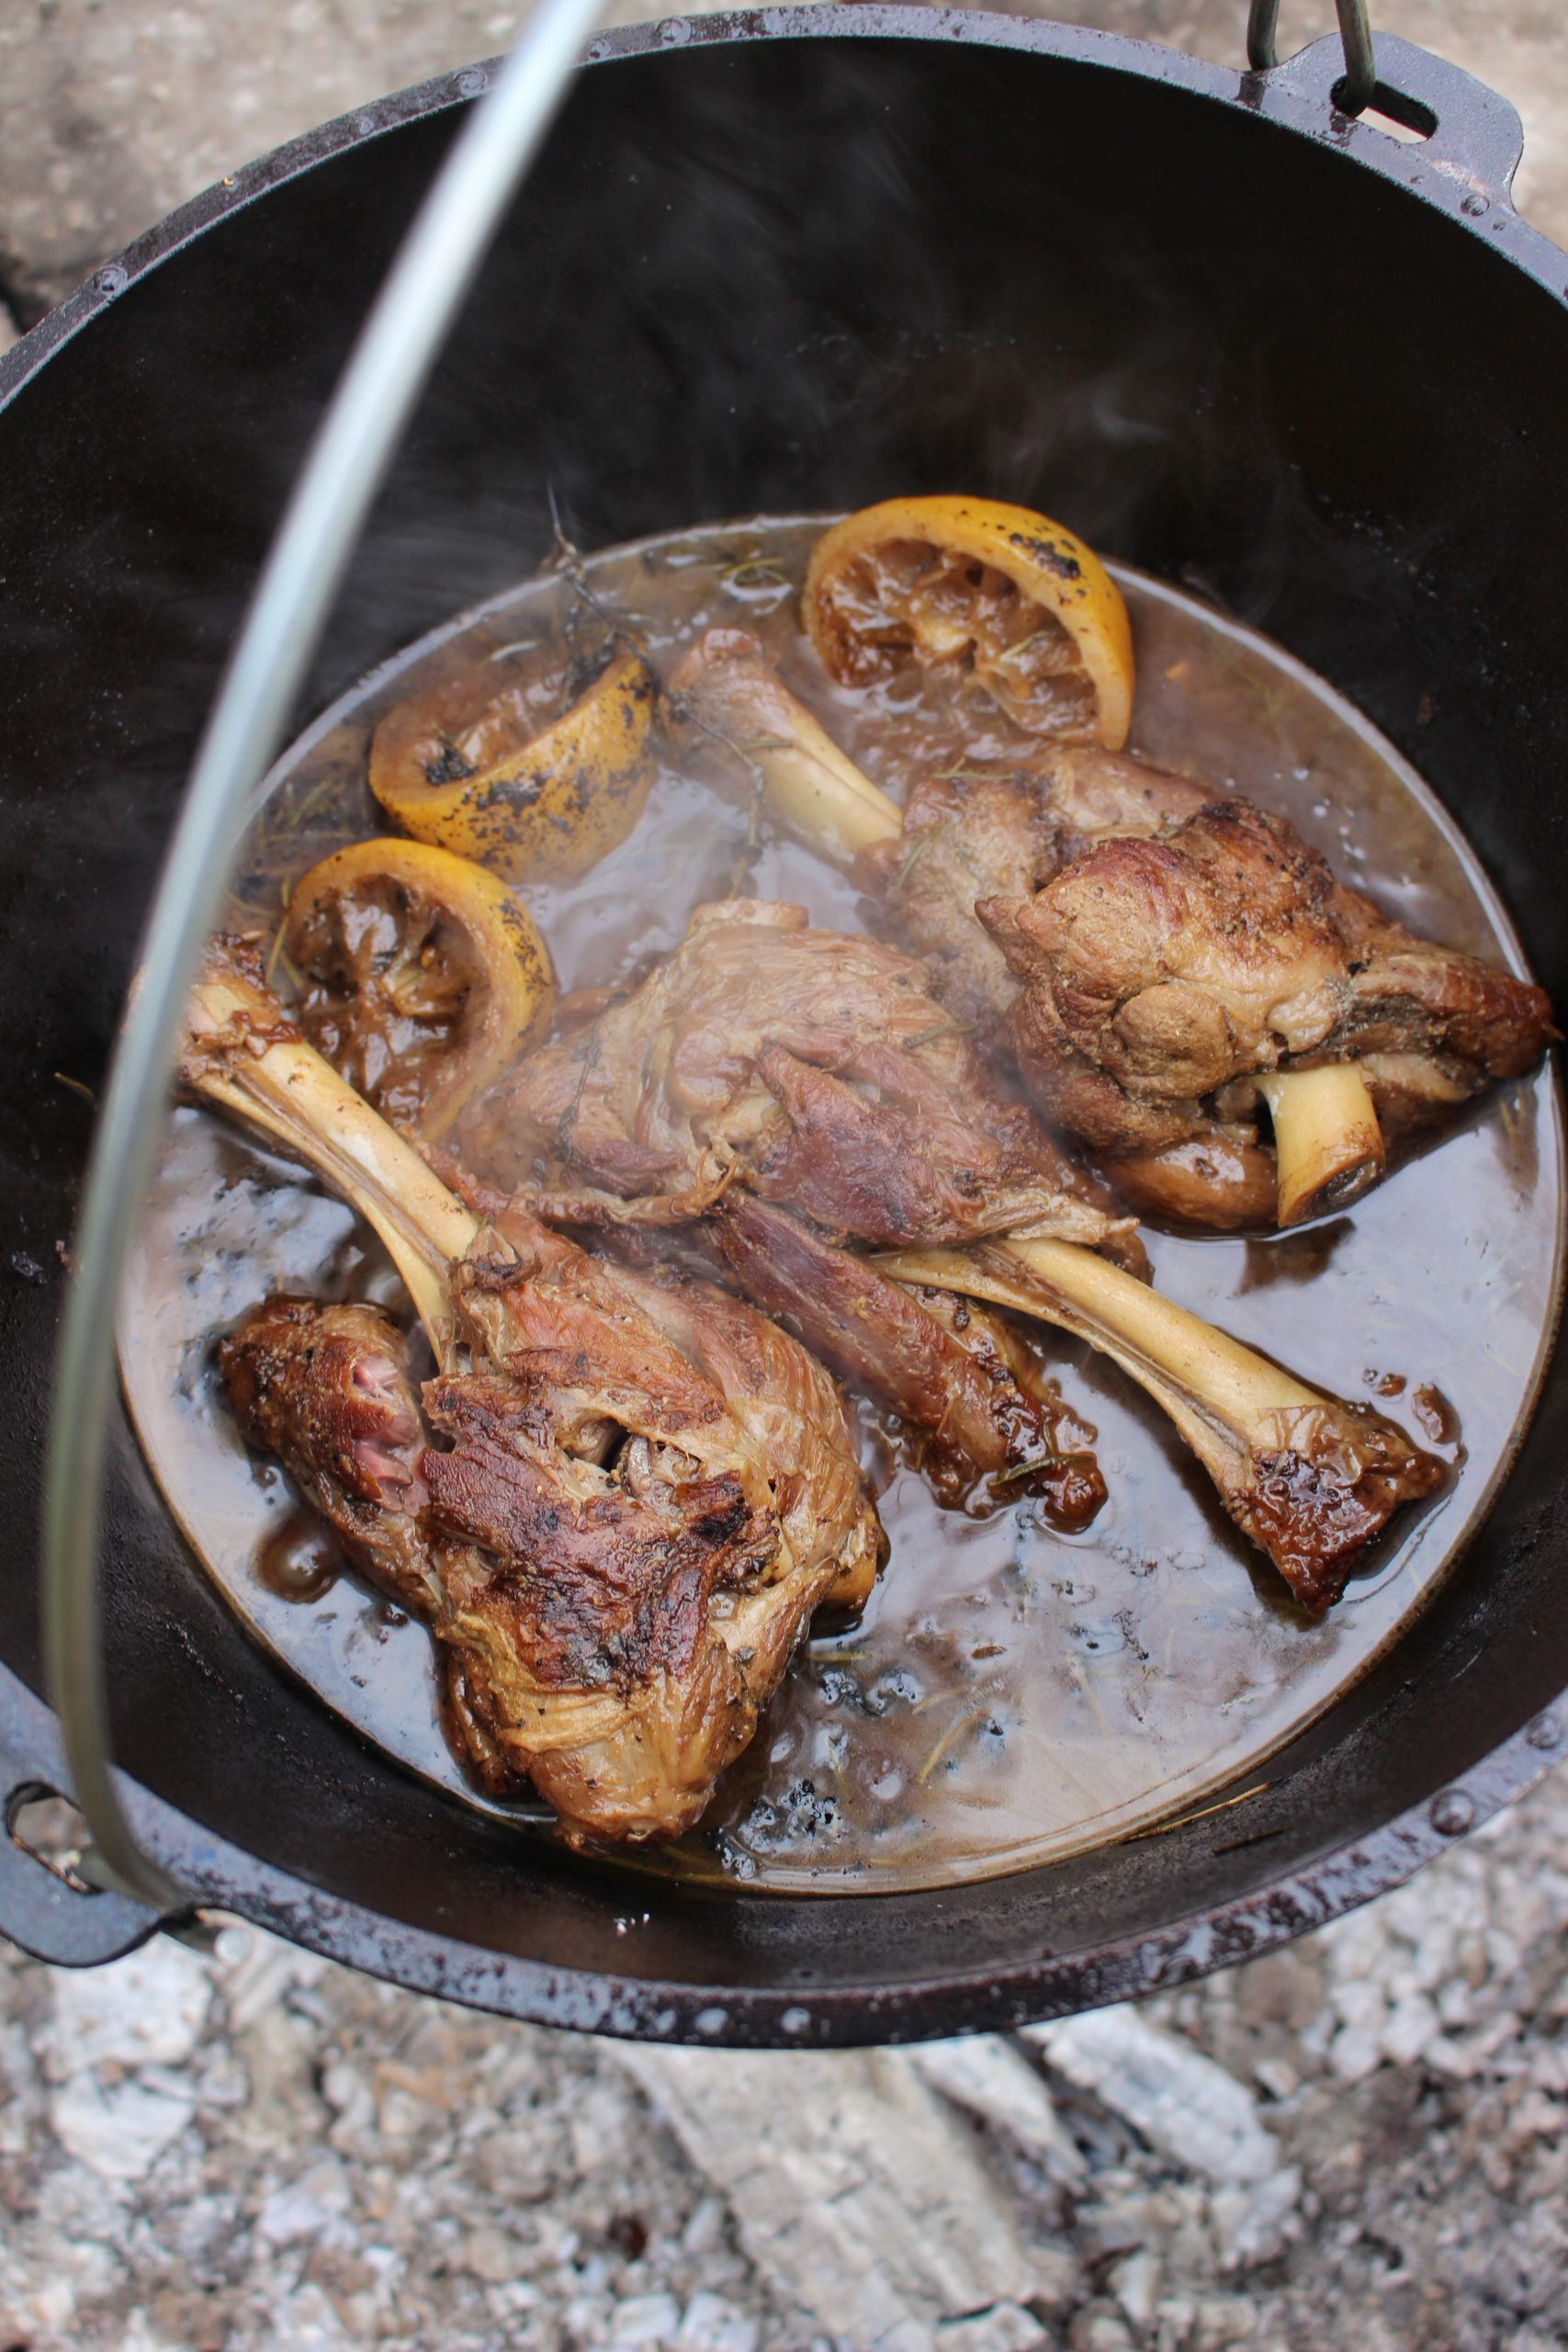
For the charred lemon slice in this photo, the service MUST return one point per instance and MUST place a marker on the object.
(531, 805)
(424, 976)
(994, 594)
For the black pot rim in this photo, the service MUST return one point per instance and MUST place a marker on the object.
(1464, 173)
(222, 1877)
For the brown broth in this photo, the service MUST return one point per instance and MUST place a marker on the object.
(1010, 1693)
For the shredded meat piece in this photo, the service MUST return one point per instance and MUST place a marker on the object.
(809, 1067)
(970, 1393)
(644, 1491)
(1160, 974)
(1049, 1446)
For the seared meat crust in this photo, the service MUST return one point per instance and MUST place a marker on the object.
(644, 1491)
(634, 1560)
(982, 832)
(1162, 973)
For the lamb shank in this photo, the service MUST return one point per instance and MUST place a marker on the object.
(1170, 981)
(766, 1063)
(810, 1067)
(774, 1084)
(616, 1503)
(1188, 989)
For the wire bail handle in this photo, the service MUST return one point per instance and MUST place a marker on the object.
(305, 566)
(1357, 90)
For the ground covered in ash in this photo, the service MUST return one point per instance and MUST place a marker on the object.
(1362, 2141)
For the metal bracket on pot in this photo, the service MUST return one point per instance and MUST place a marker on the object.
(47, 1915)
(1467, 131)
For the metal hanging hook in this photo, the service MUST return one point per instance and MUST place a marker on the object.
(376, 396)
(1356, 37)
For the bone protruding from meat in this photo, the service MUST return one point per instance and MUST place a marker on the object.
(1309, 1478)
(730, 689)
(242, 1053)
(1167, 980)
(1328, 1146)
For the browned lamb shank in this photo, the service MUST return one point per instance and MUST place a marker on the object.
(809, 1067)
(1167, 978)
(764, 1062)
(638, 1489)
(781, 1087)
(1188, 989)
(1158, 958)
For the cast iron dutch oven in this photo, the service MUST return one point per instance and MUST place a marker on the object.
(785, 262)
